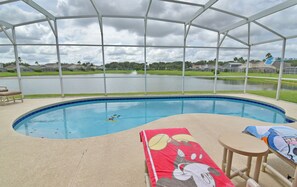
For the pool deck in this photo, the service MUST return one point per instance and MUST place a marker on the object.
(113, 160)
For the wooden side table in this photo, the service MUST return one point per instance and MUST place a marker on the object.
(246, 145)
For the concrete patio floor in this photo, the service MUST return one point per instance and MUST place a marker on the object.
(113, 160)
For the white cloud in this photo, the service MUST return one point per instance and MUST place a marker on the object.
(72, 31)
(18, 12)
(130, 31)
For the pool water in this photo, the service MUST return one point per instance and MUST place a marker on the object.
(95, 117)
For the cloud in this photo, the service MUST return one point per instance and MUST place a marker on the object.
(121, 54)
(7, 54)
(131, 31)
(215, 20)
(246, 8)
(75, 8)
(164, 55)
(172, 11)
(35, 33)
(18, 12)
(73, 32)
(122, 7)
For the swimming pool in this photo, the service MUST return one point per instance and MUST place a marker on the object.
(100, 116)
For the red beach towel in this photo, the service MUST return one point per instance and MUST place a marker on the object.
(174, 158)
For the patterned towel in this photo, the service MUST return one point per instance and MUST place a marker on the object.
(175, 159)
(280, 138)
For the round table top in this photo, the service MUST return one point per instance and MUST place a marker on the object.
(243, 144)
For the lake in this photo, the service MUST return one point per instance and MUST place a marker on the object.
(123, 83)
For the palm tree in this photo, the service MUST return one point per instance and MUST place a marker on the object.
(235, 59)
(268, 55)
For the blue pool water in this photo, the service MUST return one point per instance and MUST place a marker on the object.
(95, 117)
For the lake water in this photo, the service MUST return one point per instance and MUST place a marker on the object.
(123, 83)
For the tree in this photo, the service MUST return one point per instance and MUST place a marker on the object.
(36, 63)
(235, 59)
(79, 62)
(241, 60)
(268, 55)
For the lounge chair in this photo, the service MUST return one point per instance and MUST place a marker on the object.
(174, 158)
(282, 141)
(7, 96)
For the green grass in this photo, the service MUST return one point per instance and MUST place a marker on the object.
(152, 72)
(126, 94)
(290, 96)
(285, 95)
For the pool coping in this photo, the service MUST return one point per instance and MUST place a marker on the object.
(29, 161)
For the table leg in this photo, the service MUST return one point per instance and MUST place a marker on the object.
(257, 168)
(229, 163)
(224, 160)
(248, 165)
(265, 161)
(294, 182)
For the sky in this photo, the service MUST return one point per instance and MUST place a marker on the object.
(123, 31)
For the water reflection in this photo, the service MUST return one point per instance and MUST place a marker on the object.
(128, 83)
(99, 118)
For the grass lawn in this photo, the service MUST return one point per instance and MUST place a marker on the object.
(290, 96)
(285, 95)
(126, 94)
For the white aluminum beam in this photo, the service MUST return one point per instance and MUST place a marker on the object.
(261, 14)
(30, 22)
(5, 24)
(291, 37)
(221, 42)
(240, 41)
(269, 29)
(268, 41)
(183, 2)
(216, 66)
(248, 59)
(52, 27)
(59, 59)
(227, 12)
(77, 17)
(96, 9)
(203, 27)
(152, 46)
(144, 48)
(5, 44)
(165, 20)
(233, 48)
(123, 16)
(148, 8)
(99, 16)
(201, 10)
(24, 44)
(40, 9)
(8, 1)
(202, 5)
(281, 68)
(16, 55)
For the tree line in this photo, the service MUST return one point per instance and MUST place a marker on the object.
(175, 65)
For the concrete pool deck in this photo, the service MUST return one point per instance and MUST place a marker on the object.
(112, 160)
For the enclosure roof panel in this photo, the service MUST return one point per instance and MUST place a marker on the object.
(221, 15)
